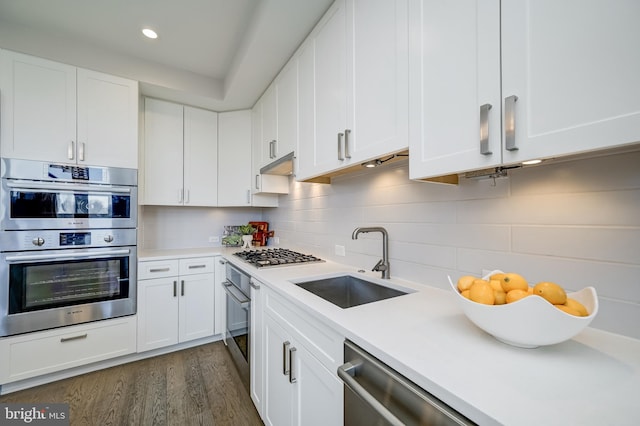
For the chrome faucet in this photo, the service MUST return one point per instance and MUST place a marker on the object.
(383, 264)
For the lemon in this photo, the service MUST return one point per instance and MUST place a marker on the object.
(513, 281)
(465, 293)
(495, 284)
(500, 297)
(516, 294)
(568, 310)
(481, 292)
(552, 292)
(465, 282)
(577, 306)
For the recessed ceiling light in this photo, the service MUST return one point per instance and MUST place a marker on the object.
(148, 32)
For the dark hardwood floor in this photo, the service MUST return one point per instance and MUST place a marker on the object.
(197, 386)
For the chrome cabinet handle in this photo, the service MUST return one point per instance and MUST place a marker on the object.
(347, 154)
(186, 197)
(181, 287)
(272, 149)
(285, 363)
(257, 181)
(175, 289)
(510, 123)
(484, 129)
(347, 373)
(292, 377)
(248, 196)
(197, 266)
(68, 339)
(340, 156)
(167, 269)
(71, 150)
(180, 192)
(81, 151)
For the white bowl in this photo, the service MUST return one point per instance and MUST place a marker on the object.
(529, 322)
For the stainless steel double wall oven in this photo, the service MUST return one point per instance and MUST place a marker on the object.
(67, 244)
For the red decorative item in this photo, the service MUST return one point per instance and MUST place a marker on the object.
(261, 234)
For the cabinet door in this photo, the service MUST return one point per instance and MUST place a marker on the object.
(278, 392)
(377, 78)
(455, 70)
(574, 68)
(318, 392)
(322, 85)
(196, 318)
(287, 117)
(38, 108)
(256, 348)
(107, 120)
(200, 157)
(157, 313)
(234, 161)
(269, 125)
(163, 155)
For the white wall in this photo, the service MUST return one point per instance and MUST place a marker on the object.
(164, 227)
(575, 223)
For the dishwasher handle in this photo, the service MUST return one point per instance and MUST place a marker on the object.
(347, 372)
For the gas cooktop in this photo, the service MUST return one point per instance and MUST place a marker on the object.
(275, 257)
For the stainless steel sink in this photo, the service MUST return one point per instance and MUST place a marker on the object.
(347, 291)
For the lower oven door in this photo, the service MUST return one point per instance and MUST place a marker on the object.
(237, 332)
(53, 288)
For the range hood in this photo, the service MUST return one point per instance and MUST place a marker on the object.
(283, 166)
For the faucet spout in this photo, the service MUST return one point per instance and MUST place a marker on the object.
(383, 265)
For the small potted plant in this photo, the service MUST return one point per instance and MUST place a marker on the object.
(247, 234)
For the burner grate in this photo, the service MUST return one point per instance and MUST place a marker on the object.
(276, 257)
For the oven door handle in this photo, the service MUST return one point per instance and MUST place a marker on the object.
(58, 256)
(236, 295)
(48, 186)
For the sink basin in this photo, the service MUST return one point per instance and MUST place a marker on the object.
(347, 291)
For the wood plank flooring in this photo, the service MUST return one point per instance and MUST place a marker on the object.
(197, 386)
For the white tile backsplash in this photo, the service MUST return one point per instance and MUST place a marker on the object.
(576, 223)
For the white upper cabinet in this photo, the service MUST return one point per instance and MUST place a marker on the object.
(234, 166)
(574, 67)
(353, 86)
(497, 83)
(454, 72)
(287, 109)
(56, 112)
(180, 155)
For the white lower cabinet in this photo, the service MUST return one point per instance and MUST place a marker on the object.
(175, 301)
(256, 346)
(301, 357)
(35, 354)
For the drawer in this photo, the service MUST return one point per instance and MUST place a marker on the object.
(158, 269)
(35, 354)
(197, 265)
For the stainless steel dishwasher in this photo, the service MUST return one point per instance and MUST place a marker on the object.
(375, 394)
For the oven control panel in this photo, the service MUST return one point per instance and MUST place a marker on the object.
(53, 239)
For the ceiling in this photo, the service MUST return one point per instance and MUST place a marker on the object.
(218, 54)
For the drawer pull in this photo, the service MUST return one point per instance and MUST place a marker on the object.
(292, 376)
(68, 339)
(175, 293)
(484, 129)
(181, 287)
(510, 123)
(197, 266)
(167, 269)
(285, 362)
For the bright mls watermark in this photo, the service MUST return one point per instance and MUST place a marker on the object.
(34, 414)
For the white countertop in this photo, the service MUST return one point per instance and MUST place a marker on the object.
(592, 379)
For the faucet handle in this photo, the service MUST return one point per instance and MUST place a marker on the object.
(380, 266)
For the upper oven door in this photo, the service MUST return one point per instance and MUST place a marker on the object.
(59, 205)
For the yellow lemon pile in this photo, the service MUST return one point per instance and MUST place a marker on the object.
(509, 287)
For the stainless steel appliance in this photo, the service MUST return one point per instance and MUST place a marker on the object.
(275, 257)
(67, 245)
(37, 195)
(237, 286)
(375, 394)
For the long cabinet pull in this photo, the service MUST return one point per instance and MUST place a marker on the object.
(340, 155)
(292, 377)
(484, 129)
(167, 269)
(248, 196)
(175, 289)
(347, 154)
(181, 287)
(71, 150)
(186, 196)
(272, 149)
(257, 181)
(81, 151)
(68, 339)
(180, 192)
(285, 362)
(510, 123)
